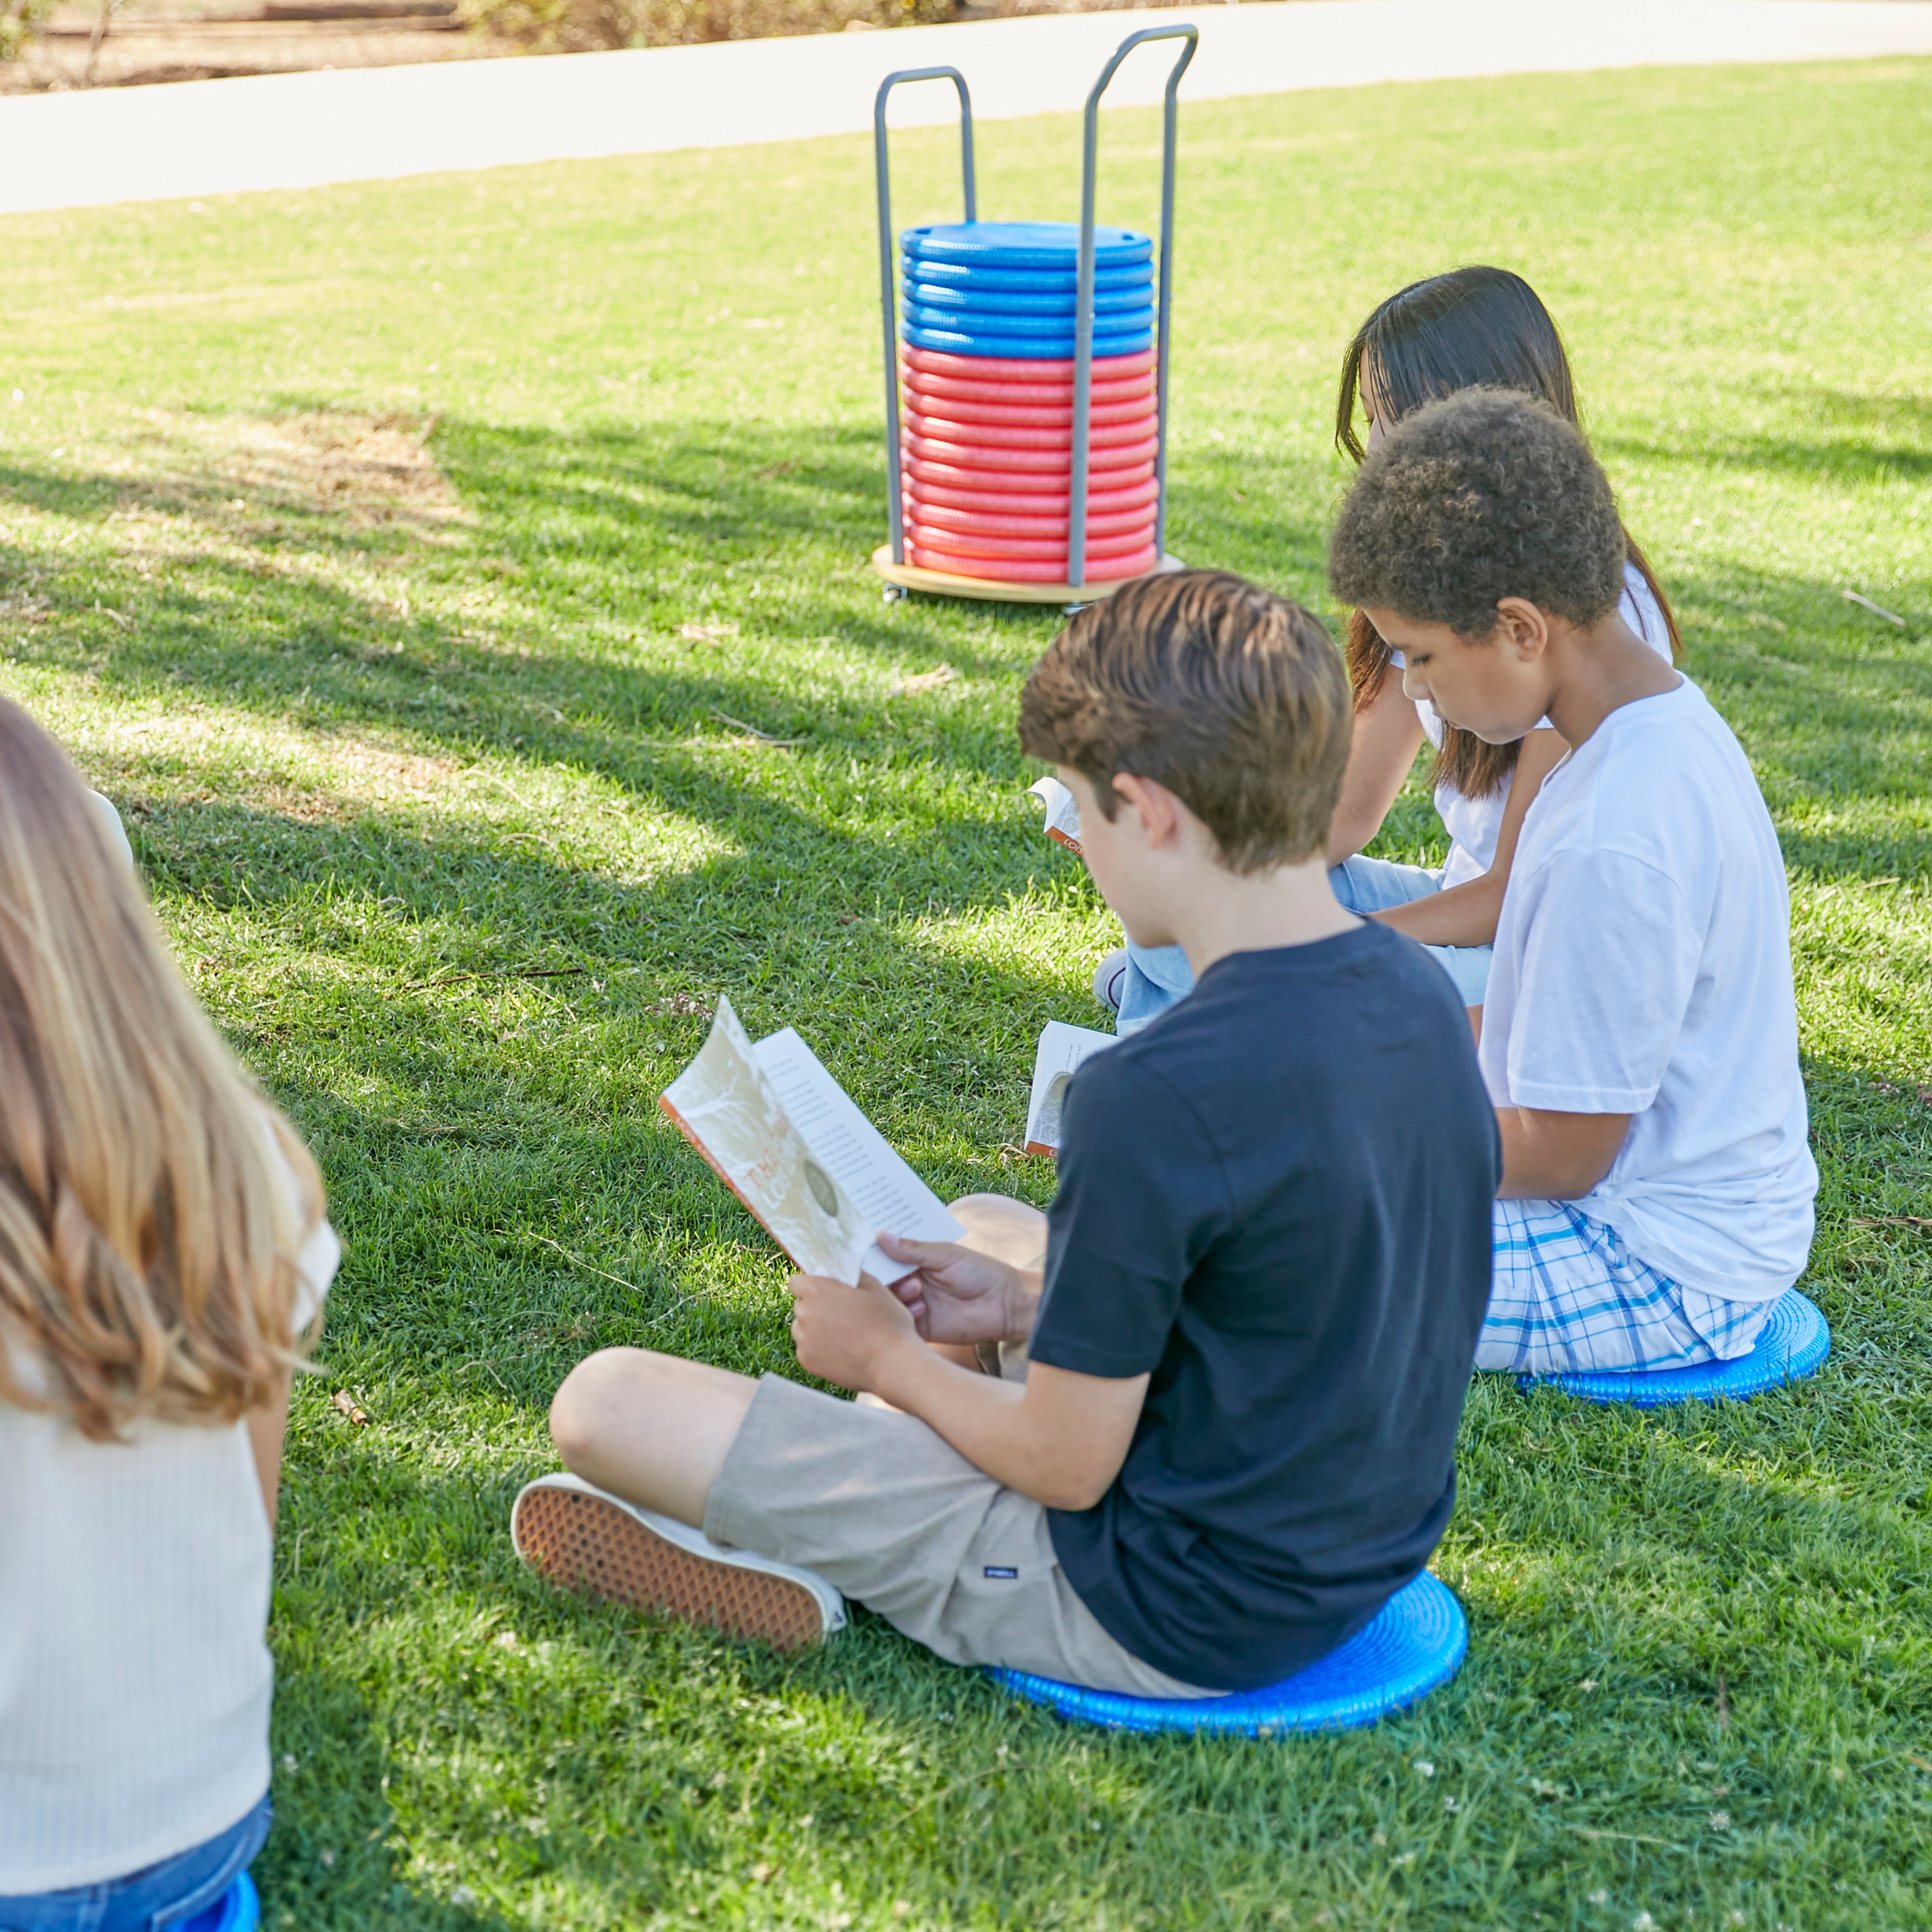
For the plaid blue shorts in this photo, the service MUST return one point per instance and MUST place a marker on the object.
(1565, 1294)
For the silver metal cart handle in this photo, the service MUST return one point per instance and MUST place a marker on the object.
(1083, 322)
(888, 304)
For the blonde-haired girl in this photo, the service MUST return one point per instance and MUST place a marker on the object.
(162, 1250)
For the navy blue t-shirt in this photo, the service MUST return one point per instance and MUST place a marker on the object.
(1276, 1202)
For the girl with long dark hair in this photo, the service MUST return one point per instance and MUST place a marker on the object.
(1473, 328)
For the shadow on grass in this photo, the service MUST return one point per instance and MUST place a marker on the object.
(492, 1139)
(1835, 708)
(601, 541)
(602, 544)
(801, 903)
(607, 542)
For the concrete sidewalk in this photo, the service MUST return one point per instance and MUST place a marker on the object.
(300, 131)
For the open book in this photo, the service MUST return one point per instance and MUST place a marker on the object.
(788, 1140)
(1063, 812)
(1062, 1050)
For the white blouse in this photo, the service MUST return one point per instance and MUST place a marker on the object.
(135, 1677)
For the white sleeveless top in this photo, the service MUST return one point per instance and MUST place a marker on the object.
(135, 1677)
(1473, 824)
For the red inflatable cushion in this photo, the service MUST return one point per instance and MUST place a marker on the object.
(1141, 414)
(1013, 522)
(1038, 482)
(1009, 436)
(1030, 502)
(1015, 570)
(1002, 369)
(979, 456)
(1032, 395)
(1028, 550)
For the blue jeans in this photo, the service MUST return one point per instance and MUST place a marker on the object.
(171, 1894)
(1157, 975)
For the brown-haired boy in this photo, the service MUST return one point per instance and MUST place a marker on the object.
(1238, 1343)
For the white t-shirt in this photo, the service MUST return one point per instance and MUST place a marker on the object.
(1643, 966)
(105, 810)
(1473, 824)
(135, 1678)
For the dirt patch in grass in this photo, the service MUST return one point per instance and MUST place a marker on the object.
(368, 469)
(360, 779)
(385, 777)
(357, 470)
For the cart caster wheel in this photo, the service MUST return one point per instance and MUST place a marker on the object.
(893, 593)
(1071, 609)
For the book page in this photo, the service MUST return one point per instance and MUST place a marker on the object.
(1062, 1049)
(728, 1108)
(886, 1193)
(1063, 812)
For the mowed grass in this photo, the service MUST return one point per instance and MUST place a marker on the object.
(408, 561)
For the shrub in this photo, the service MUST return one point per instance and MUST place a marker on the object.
(18, 21)
(572, 26)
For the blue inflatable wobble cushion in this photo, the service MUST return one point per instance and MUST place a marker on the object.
(1415, 1643)
(971, 301)
(1793, 1344)
(976, 322)
(1024, 244)
(1139, 276)
(238, 1909)
(1023, 348)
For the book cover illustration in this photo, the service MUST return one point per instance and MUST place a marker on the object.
(791, 1144)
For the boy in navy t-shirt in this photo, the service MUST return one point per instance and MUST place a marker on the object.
(1231, 1358)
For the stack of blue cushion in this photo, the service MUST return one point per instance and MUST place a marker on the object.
(987, 372)
(1008, 288)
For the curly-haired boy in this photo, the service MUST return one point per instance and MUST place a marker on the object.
(1639, 1038)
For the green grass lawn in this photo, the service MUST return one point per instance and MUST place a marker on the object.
(406, 561)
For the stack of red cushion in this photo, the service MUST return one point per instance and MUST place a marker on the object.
(987, 456)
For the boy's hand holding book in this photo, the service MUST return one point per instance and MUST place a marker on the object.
(953, 1294)
(957, 1294)
(848, 1336)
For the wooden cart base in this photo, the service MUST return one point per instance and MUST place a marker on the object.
(990, 590)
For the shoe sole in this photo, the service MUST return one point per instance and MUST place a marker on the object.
(586, 1542)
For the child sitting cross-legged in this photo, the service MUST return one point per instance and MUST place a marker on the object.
(1189, 1430)
(1639, 1038)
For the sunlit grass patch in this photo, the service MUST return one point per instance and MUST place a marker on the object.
(460, 586)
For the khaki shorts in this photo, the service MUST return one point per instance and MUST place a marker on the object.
(886, 1510)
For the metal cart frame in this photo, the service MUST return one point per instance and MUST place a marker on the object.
(891, 560)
